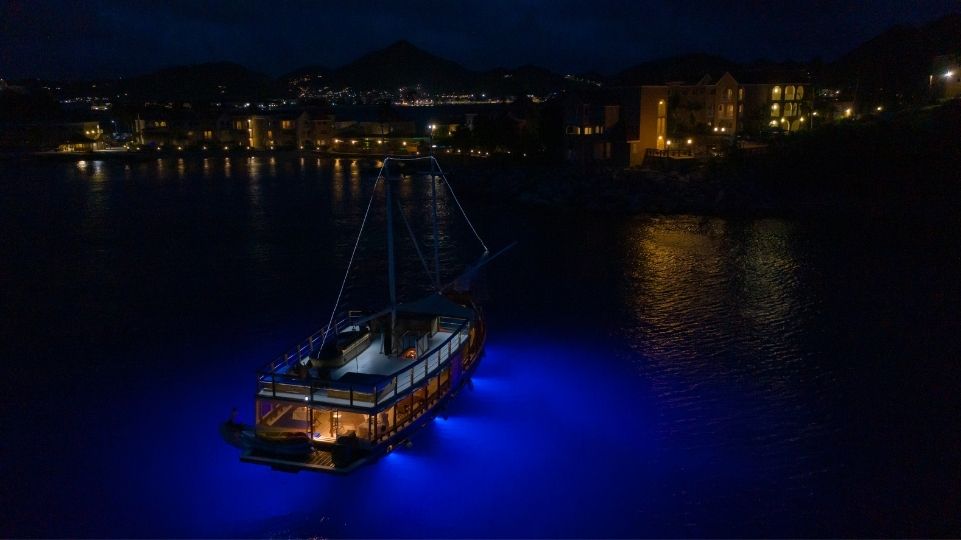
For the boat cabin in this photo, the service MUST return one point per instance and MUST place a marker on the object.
(368, 376)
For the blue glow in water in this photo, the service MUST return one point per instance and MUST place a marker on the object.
(658, 376)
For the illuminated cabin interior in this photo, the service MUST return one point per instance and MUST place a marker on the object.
(371, 378)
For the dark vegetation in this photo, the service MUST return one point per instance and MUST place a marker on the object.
(910, 159)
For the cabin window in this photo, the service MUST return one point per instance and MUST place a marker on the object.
(351, 422)
(385, 422)
(444, 378)
(402, 410)
(420, 399)
(776, 93)
(282, 416)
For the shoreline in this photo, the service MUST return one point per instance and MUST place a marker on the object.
(707, 188)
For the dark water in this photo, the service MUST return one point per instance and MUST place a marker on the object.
(645, 376)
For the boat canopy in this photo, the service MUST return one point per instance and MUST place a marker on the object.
(436, 304)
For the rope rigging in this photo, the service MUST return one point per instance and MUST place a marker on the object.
(353, 252)
(435, 279)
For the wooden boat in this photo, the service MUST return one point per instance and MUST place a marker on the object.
(357, 388)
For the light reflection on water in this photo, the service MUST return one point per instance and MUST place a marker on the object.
(652, 376)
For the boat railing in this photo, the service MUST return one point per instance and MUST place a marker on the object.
(285, 361)
(428, 364)
(279, 384)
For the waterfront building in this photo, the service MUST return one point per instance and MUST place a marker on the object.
(615, 125)
(696, 109)
(779, 100)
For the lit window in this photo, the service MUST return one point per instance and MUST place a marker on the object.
(729, 93)
(775, 110)
(799, 94)
(239, 124)
(270, 134)
(661, 108)
(286, 124)
(776, 93)
(208, 135)
(789, 92)
(740, 94)
(588, 130)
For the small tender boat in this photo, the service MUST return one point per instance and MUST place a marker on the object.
(358, 387)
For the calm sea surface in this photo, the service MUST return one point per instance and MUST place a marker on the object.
(645, 376)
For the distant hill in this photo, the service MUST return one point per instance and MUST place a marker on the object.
(202, 82)
(688, 68)
(522, 81)
(897, 62)
(403, 65)
(892, 66)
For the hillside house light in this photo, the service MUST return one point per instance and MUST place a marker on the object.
(689, 141)
(879, 108)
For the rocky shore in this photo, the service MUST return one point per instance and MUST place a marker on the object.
(700, 190)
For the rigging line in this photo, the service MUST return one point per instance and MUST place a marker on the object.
(350, 263)
(444, 176)
(420, 255)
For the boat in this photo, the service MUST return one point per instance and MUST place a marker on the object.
(358, 388)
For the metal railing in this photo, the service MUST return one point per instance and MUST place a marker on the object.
(273, 383)
(298, 353)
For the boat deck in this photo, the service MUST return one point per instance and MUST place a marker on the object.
(319, 460)
(373, 362)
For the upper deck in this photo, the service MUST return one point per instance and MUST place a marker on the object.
(369, 379)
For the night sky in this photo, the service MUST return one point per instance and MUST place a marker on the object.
(103, 38)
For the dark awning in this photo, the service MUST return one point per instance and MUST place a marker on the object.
(438, 305)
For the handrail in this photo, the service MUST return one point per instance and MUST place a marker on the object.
(396, 382)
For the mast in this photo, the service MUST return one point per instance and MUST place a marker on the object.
(391, 279)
